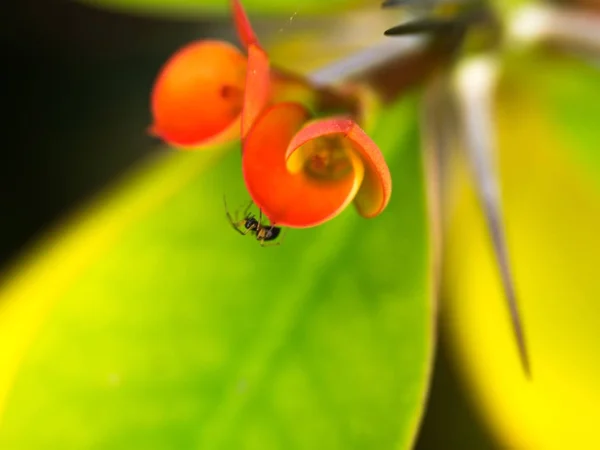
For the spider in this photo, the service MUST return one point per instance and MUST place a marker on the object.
(265, 234)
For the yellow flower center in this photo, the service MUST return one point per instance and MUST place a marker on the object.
(326, 158)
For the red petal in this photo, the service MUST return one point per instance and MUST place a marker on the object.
(242, 25)
(198, 95)
(374, 193)
(258, 87)
(288, 198)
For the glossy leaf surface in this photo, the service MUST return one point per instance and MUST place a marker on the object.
(151, 324)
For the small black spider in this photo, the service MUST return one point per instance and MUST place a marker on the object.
(250, 224)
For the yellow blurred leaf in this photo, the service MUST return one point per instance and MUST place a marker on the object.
(551, 202)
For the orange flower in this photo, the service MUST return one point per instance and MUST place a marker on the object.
(302, 173)
(198, 96)
(299, 171)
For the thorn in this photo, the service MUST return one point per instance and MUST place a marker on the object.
(392, 3)
(494, 221)
(476, 88)
(458, 21)
(424, 3)
(419, 26)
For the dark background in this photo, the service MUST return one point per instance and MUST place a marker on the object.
(75, 92)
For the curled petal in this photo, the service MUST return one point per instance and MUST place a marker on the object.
(376, 188)
(299, 182)
(242, 25)
(258, 87)
(198, 96)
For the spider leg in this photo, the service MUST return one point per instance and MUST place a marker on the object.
(273, 244)
(269, 244)
(248, 208)
(280, 241)
(248, 230)
(260, 225)
(235, 224)
(260, 218)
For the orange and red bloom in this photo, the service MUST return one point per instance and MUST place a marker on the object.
(299, 170)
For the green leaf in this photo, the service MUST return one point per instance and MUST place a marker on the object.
(567, 89)
(188, 8)
(150, 323)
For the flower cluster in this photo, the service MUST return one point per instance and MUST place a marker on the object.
(299, 170)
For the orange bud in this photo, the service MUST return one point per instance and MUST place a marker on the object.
(198, 96)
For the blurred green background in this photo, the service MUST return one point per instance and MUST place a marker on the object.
(76, 84)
